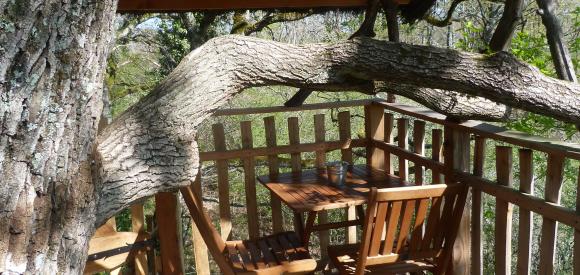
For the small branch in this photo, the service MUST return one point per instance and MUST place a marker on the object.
(444, 22)
(298, 98)
(368, 25)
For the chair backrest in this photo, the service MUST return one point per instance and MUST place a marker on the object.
(210, 235)
(397, 217)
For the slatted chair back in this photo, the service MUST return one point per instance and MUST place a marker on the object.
(393, 230)
(209, 233)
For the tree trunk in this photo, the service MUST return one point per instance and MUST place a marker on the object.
(52, 59)
(560, 55)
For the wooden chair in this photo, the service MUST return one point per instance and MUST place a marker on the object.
(393, 240)
(281, 253)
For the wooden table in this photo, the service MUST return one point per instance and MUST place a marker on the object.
(310, 191)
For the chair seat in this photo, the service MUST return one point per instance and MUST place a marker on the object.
(345, 258)
(281, 253)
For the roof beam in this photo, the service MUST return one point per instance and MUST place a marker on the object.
(127, 6)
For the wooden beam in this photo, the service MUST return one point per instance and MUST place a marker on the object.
(170, 244)
(127, 6)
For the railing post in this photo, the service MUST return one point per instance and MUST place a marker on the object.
(554, 178)
(526, 225)
(200, 252)
(344, 135)
(138, 226)
(223, 183)
(170, 244)
(476, 209)
(273, 167)
(374, 126)
(456, 157)
(320, 136)
(250, 182)
(503, 212)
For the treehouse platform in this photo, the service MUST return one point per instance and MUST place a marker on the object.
(399, 144)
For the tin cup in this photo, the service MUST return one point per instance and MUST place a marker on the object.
(336, 172)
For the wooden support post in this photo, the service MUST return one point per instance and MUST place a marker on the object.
(320, 136)
(577, 232)
(375, 129)
(223, 183)
(250, 182)
(389, 126)
(526, 226)
(477, 213)
(273, 166)
(503, 212)
(437, 154)
(403, 141)
(170, 244)
(456, 152)
(200, 252)
(344, 135)
(138, 226)
(419, 148)
(554, 180)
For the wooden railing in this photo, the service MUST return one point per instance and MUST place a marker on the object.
(449, 158)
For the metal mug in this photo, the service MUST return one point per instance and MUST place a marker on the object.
(336, 172)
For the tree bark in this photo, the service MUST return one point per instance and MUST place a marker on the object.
(52, 59)
(559, 50)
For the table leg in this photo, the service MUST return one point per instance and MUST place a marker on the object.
(298, 223)
(360, 212)
(308, 228)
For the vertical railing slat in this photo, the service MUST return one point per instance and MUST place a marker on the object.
(503, 212)
(200, 252)
(525, 228)
(477, 213)
(389, 126)
(223, 182)
(294, 138)
(419, 148)
(296, 163)
(344, 134)
(437, 153)
(273, 166)
(402, 140)
(250, 182)
(138, 226)
(554, 179)
(320, 136)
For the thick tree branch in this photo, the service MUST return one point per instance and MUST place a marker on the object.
(559, 50)
(512, 13)
(452, 104)
(151, 148)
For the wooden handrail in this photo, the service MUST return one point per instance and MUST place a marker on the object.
(281, 149)
(284, 109)
(486, 130)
